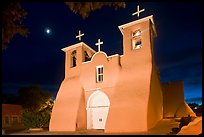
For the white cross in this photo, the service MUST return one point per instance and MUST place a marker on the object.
(138, 11)
(79, 36)
(99, 45)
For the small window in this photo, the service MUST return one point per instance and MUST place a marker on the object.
(136, 33)
(136, 44)
(136, 40)
(73, 58)
(99, 74)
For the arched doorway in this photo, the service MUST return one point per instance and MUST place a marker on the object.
(97, 110)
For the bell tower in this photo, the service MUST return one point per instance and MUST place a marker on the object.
(138, 35)
(138, 39)
(75, 55)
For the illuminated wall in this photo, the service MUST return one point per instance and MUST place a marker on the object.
(130, 83)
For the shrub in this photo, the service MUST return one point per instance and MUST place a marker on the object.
(34, 119)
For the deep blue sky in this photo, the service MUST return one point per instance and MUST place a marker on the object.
(38, 59)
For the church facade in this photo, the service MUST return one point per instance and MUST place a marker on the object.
(118, 93)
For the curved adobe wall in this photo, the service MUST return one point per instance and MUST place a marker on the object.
(66, 106)
(81, 116)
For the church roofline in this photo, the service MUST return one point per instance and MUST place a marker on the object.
(77, 45)
(115, 55)
(121, 27)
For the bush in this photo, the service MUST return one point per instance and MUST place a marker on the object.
(34, 119)
(184, 121)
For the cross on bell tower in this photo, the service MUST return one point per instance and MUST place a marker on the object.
(80, 35)
(99, 45)
(138, 11)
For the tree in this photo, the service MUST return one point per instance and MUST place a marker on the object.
(37, 106)
(84, 8)
(193, 105)
(33, 97)
(13, 16)
(36, 119)
(12, 22)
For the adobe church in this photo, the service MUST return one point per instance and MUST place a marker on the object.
(118, 93)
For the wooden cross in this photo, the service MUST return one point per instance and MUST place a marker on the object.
(99, 45)
(80, 35)
(138, 11)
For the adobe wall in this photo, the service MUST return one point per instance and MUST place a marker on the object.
(67, 106)
(10, 110)
(81, 122)
(71, 100)
(111, 73)
(173, 93)
(128, 106)
(155, 103)
(129, 100)
(111, 68)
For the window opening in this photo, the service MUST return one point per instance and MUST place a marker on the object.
(136, 40)
(99, 74)
(87, 57)
(136, 33)
(73, 58)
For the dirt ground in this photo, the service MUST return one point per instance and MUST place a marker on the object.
(164, 127)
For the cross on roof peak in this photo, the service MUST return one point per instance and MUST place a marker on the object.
(99, 45)
(138, 11)
(80, 35)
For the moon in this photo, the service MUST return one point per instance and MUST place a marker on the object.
(48, 31)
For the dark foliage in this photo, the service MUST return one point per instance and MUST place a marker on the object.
(196, 108)
(36, 119)
(184, 121)
(84, 8)
(37, 106)
(33, 97)
(12, 22)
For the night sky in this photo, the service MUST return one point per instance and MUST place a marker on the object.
(38, 59)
